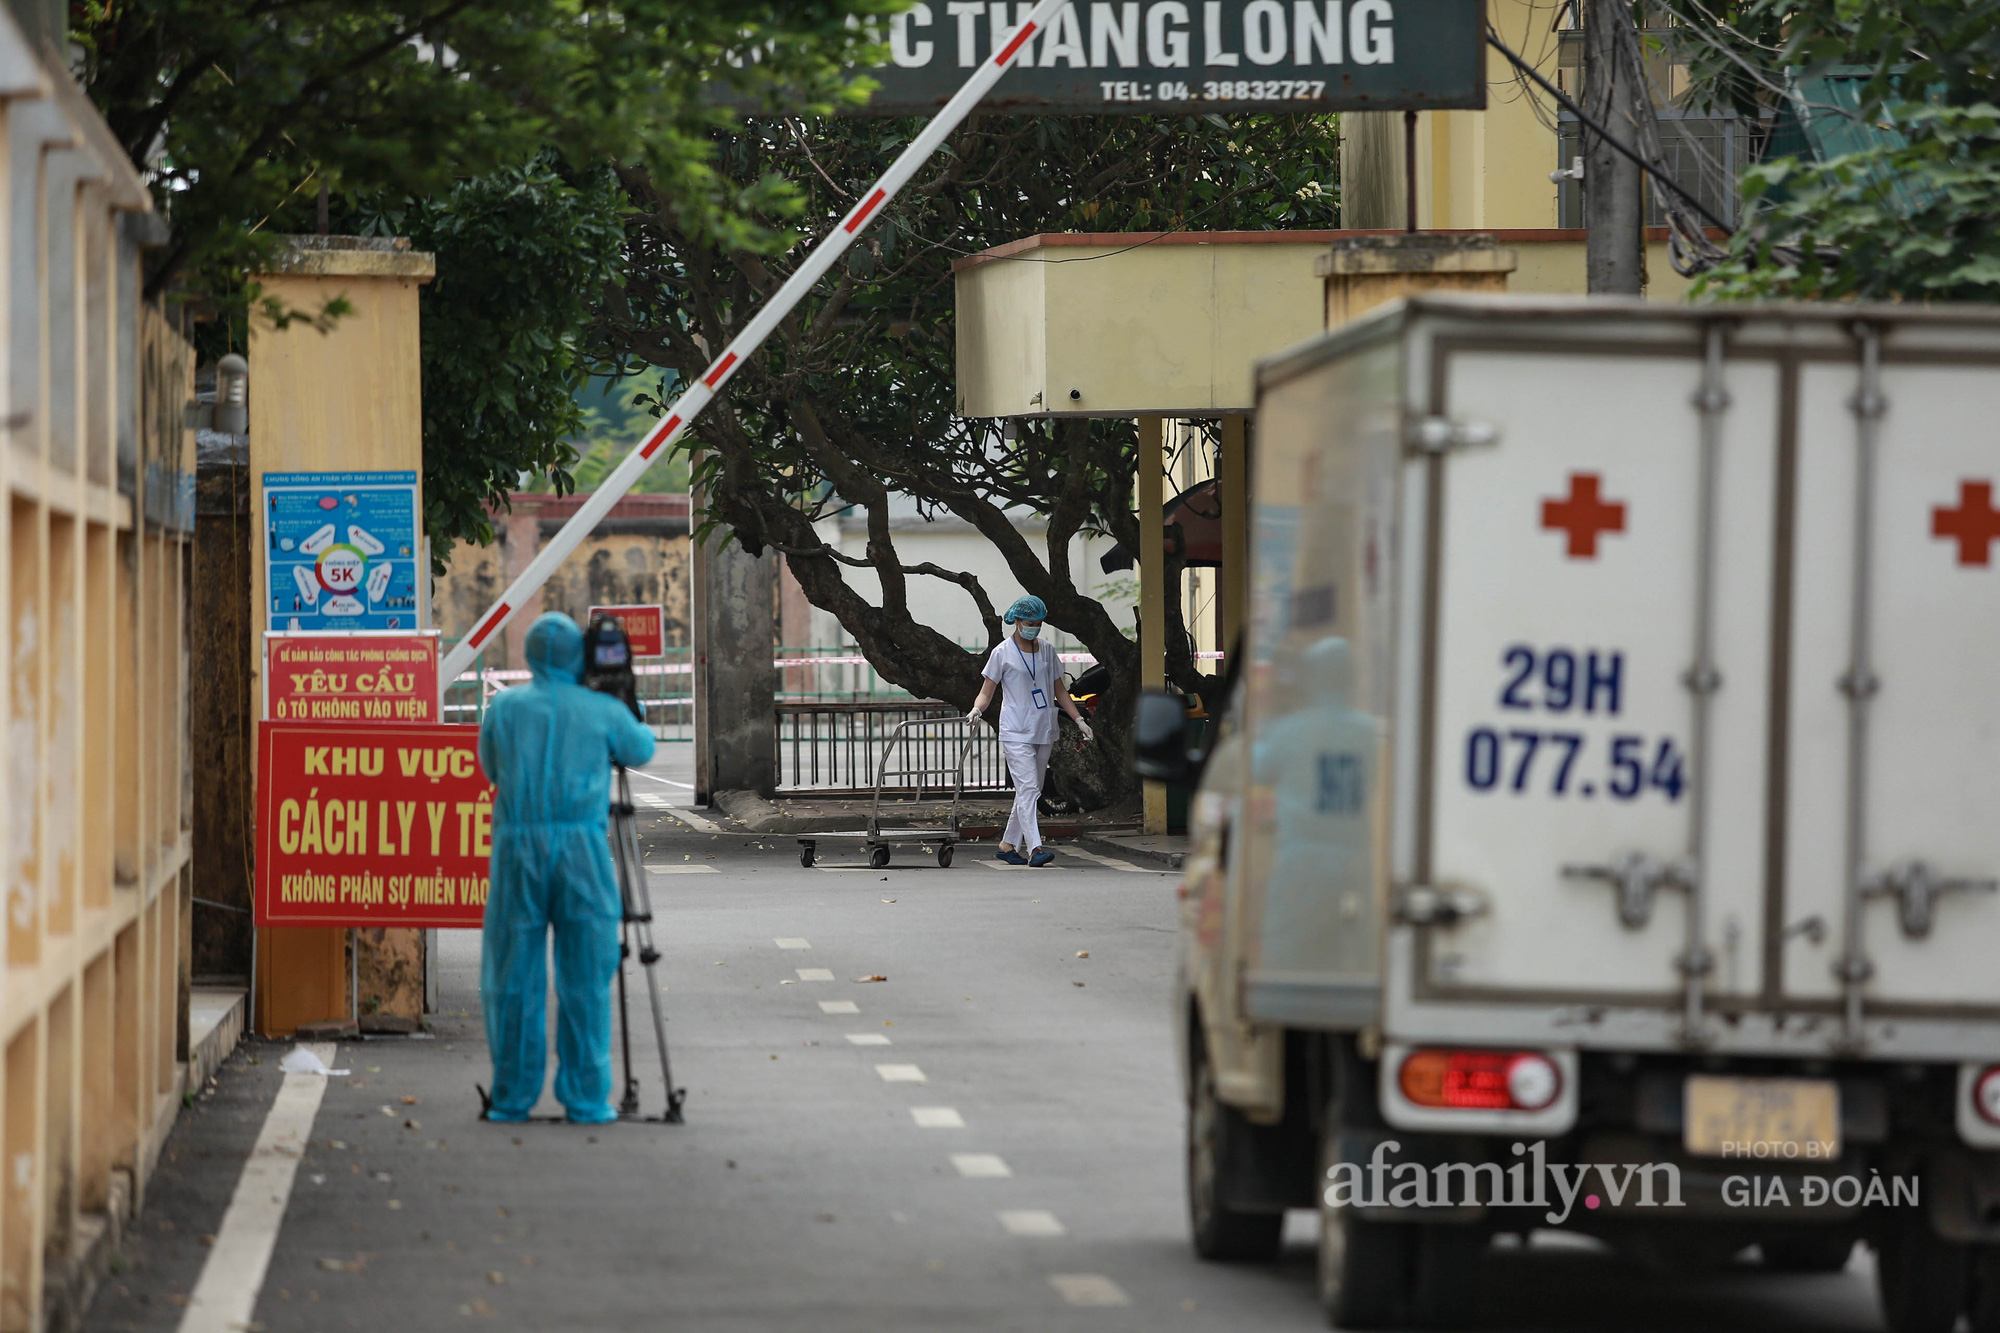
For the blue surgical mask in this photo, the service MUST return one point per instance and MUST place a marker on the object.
(1028, 632)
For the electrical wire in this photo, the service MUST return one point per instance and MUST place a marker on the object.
(1569, 105)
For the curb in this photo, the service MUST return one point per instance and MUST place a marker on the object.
(1163, 860)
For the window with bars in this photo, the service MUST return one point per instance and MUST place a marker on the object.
(1706, 151)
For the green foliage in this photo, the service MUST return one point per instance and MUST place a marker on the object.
(241, 109)
(1843, 228)
(1911, 217)
(617, 414)
(522, 256)
(855, 398)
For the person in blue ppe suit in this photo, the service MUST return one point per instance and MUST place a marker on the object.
(548, 748)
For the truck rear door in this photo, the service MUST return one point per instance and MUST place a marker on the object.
(1562, 616)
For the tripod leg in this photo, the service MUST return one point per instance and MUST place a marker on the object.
(637, 901)
(629, 1103)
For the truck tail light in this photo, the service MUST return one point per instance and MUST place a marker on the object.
(1986, 1094)
(1500, 1080)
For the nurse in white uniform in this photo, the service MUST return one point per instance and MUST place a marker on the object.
(1031, 686)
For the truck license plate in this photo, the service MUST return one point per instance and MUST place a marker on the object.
(1783, 1118)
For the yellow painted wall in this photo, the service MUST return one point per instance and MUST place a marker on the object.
(1171, 327)
(348, 399)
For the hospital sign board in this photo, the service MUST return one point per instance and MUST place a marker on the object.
(364, 677)
(371, 826)
(1192, 56)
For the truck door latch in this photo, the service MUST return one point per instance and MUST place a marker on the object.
(1438, 904)
(1439, 435)
(1916, 888)
(1637, 878)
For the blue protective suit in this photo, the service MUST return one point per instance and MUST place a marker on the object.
(548, 748)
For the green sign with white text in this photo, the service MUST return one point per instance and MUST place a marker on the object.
(1193, 56)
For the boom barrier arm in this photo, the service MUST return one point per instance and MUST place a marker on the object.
(689, 405)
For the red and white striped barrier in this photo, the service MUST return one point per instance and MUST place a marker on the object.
(503, 674)
(689, 405)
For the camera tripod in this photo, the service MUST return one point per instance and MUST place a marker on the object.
(637, 926)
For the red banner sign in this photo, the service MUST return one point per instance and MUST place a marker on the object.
(351, 677)
(645, 627)
(371, 826)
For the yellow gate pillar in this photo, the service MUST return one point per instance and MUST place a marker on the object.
(348, 399)
(1232, 482)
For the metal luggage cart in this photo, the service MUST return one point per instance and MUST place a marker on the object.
(927, 737)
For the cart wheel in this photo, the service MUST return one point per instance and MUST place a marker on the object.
(944, 855)
(878, 856)
(806, 850)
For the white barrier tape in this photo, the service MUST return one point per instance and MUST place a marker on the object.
(689, 405)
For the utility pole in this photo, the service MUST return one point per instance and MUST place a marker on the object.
(1613, 254)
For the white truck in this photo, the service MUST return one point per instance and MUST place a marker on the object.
(1604, 829)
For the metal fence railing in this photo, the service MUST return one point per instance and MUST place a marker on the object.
(828, 746)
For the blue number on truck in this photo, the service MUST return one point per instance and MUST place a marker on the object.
(1587, 681)
(1559, 680)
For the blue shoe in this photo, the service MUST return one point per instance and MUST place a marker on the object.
(1011, 858)
(1042, 857)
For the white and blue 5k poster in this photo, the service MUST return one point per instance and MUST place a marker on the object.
(341, 550)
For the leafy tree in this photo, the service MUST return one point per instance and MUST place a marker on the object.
(242, 109)
(521, 256)
(853, 399)
(1916, 216)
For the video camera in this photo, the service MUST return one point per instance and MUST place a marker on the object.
(607, 663)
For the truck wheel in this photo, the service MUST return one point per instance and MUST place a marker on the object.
(1221, 1233)
(1364, 1269)
(1920, 1277)
(1807, 1253)
(1444, 1292)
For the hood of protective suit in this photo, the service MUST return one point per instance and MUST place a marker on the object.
(555, 649)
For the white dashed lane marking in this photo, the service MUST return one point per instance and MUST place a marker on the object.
(901, 1074)
(1030, 1222)
(867, 1039)
(793, 943)
(937, 1117)
(684, 870)
(815, 974)
(833, 1006)
(1088, 1289)
(980, 1165)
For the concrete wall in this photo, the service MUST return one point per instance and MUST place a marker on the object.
(954, 544)
(1487, 170)
(95, 843)
(638, 554)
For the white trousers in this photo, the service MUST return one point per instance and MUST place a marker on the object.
(1028, 763)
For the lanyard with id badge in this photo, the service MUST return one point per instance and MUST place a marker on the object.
(1035, 691)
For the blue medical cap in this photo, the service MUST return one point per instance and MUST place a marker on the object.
(1026, 608)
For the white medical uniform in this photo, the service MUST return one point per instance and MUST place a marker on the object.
(1027, 732)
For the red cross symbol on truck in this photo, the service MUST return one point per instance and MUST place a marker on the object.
(1973, 525)
(1583, 515)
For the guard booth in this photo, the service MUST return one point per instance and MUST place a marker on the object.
(1168, 328)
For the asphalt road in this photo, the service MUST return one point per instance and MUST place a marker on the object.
(811, 1186)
